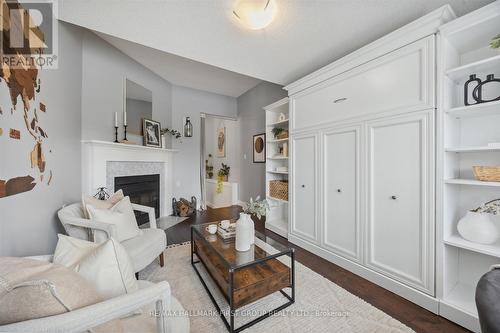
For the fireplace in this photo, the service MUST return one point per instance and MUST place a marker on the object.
(142, 190)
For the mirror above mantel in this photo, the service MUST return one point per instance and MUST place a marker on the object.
(138, 105)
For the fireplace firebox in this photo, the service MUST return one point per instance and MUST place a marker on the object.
(142, 190)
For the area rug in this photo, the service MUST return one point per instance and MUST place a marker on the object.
(320, 305)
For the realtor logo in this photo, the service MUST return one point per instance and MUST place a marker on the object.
(29, 33)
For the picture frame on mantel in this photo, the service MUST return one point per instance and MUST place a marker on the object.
(151, 132)
(259, 148)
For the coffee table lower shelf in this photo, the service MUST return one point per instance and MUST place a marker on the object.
(238, 291)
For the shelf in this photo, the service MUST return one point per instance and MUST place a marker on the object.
(486, 65)
(477, 110)
(283, 122)
(472, 149)
(280, 157)
(279, 226)
(488, 249)
(472, 182)
(462, 297)
(278, 172)
(276, 199)
(277, 140)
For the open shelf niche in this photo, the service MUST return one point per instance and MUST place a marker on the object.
(277, 116)
(467, 137)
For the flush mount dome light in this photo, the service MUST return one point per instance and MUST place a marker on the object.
(255, 14)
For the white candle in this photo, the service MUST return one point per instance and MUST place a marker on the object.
(125, 118)
(116, 119)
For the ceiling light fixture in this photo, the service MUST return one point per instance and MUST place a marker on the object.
(255, 14)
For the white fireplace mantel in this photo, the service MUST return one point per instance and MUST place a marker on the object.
(96, 154)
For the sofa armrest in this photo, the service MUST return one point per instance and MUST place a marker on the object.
(108, 228)
(149, 210)
(94, 315)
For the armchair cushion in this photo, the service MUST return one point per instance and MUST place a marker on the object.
(143, 249)
(106, 265)
(122, 215)
(101, 204)
(31, 289)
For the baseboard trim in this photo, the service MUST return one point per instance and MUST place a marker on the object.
(426, 301)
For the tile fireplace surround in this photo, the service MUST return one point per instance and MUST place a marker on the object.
(102, 161)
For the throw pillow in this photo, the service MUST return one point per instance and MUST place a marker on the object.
(106, 265)
(101, 204)
(31, 289)
(121, 215)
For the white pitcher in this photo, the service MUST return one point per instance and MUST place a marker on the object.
(245, 234)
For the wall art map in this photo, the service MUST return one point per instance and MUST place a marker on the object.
(23, 83)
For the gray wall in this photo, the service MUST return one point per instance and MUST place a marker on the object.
(105, 69)
(187, 102)
(252, 120)
(28, 222)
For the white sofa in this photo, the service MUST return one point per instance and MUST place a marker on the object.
(142, 250)
(154, 297)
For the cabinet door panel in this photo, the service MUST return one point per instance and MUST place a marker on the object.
(341, 211)
(400, 230)
(304, 197)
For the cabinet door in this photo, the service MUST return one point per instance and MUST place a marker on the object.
(400, 226)
(341, 210)
(304, 195)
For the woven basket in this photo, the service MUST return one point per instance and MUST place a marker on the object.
(278, 189)
(486, 173)
(283, 135)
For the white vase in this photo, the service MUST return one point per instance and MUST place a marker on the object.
(479, 227)
(244, 231)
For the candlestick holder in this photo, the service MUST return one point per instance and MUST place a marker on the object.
(116, 134)
(125, 137)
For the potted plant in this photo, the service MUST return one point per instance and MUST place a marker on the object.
(280, 133)
(222, 176)
(209, 168)
(495, 42)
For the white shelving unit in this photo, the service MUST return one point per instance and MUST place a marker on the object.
(277, 217)
(464, 133)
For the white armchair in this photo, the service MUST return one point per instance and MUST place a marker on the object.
(142, 250)
(86, 318)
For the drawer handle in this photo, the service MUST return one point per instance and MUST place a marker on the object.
(303, 186)
(340, 100)
(394, 197)
(339, 190)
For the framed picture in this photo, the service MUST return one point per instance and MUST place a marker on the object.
(221, 142)
(151, 132)
(259, 148)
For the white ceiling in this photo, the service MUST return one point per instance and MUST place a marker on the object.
(306, 35)
(185, 72)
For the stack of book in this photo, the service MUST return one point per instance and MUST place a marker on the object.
(228, 232)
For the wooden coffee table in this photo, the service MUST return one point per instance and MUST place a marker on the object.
(243, 277)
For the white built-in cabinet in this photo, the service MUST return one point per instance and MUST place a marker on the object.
(304, 187)
(341, 191)
(400, 187)
(362, 170)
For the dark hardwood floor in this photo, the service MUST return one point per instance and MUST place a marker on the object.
(403, 310)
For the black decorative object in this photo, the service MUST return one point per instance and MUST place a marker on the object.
(477, 93)
(116, 134)
(125, 136)
(472, 79)
(188, 128)
(101, 194)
